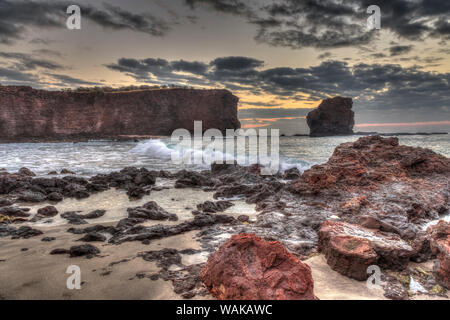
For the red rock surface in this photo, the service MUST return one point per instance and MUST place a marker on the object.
(249, 268)
(370, 161)
(351, 249)
(27, 113)
(440, 244)
(332, 117)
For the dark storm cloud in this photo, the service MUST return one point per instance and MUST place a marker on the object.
(12, 77)
(335, 23)
(118, 19)
(225, 6)
(18, 16)
(27, 62)
(192, 67)
(399, 50)
(376, 86)
(236, 63)
(160, 70)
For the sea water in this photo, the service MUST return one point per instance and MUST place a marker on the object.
(93, 157)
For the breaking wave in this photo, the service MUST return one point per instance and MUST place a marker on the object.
(159, 149)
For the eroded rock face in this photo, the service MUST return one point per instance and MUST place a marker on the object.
(351, 249)
(440, 244)
(249, 268)
(369, 161)
(332, 117)
(28, 113)
(380, 184)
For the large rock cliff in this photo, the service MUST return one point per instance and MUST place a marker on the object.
(332, 117)
(29, 114)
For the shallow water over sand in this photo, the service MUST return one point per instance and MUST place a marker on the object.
(116, 202)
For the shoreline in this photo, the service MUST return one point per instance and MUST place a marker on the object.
(143, 227)
(138, 138)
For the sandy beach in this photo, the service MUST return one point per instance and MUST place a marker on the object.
(29, 271)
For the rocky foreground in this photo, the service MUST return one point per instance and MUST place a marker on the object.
(370, 204)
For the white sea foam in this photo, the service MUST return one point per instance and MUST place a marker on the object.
(153, 148)
(159, 149)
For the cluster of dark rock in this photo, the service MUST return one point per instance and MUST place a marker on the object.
(367, 205)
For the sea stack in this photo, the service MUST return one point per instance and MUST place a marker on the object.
(333, 117)
(26, 113)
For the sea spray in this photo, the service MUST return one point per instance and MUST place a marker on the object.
(159, 149)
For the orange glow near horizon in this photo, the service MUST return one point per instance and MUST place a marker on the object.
(403, 124)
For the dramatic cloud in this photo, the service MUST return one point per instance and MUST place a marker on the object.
(236, 63)
(225, 6)
(399, 50)
(336, 23)
(12, 77)
(374, 86)
(191, 67)
(18, 16)
(27, 62)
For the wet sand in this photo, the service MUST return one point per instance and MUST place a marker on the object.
(35, 274)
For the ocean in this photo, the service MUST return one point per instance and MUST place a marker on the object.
(93, 157)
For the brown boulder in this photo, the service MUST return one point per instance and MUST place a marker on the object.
(249, 268)
(26, 172)
(48, 211)
(351, 249)
(440, 244)
(332, 117)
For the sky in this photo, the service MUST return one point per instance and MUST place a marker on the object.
(280, 57)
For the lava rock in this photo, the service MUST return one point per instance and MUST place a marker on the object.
(84, 250)
(5, 203)
(440, 244)
(332, 117)
(213, 207)
(249, 268)
(151, 211)
(59, 251)
(190, 179)
(55, 196)
(30, 196)
(73, 218)
(26, 172)
(49, 211)
(351, 249)
(14, 212)
(93, 215)
(93, 236)
(291, 174)
(65, 171)
(48, 239)
(26, 232)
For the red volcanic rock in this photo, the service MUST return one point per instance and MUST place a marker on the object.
(351, 249)
(27, 113)
(249, 268)
(440, 244)
(332, 117)
(370, 161)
